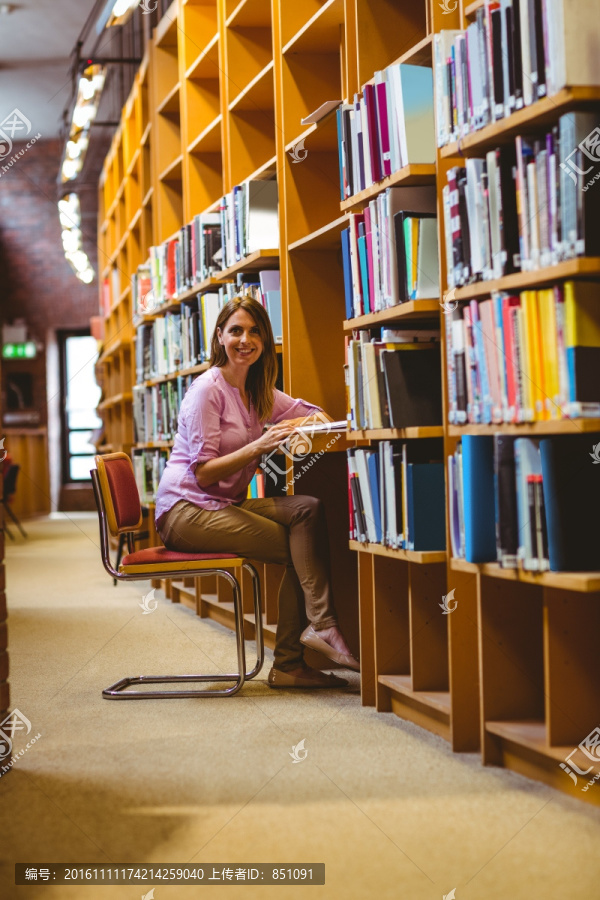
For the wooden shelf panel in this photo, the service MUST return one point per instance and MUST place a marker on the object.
(260, 259)
(581, 267)
(209, 140)
(322, 134)
(393, 434)
(414, 556)
(192, 370)
(583, 582)
(258, 93)
(438, 700)
(171, 103)
(537, 115)
(471, 9)
(409, 175)
(325, 238)
(206, 64)
(173, 171)
(555, 426)
(412, 309)
(250, 14)
(321, 33)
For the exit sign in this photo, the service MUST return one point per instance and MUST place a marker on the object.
(27, 350)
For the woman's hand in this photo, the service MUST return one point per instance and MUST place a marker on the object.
(273, 437)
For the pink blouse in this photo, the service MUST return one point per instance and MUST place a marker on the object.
(213, 422)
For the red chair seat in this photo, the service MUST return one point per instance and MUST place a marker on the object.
(160, 555)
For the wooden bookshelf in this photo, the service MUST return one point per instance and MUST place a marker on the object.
(219, 98)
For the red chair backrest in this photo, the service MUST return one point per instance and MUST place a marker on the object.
(119, 492)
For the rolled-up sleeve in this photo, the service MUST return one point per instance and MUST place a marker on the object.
(203, 425)
(286, 407)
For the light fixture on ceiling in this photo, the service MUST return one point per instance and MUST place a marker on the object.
(121, 11)
(69, 212)
(89, 92)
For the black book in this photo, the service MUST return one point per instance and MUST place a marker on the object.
(508, 15)
(507, 528)
(460, 369)
(497, 63)
(347, 121)
(507, 202)
(400, 242)
(517, 57)
(461, 184)
(539, 48)
(413, 383)
(572, 499)
(588, 208)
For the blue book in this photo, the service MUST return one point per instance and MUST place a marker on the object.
(486, 397)
(373, 467)
(364, 271)
(425, 506)
(479, 506)
(347, 273)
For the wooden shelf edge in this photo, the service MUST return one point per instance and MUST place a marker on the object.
(330, 228)
(578, 267)
(412, 309)
(251, 84)
(321, 13)
(395, 434)
(189, 75)
(414, 556)
(532, 116)
(171, 376)
(553, 426)
(437, 700)
(415, 174)
(166, 174)
(193, 146)
(582, 582)
(255, 261)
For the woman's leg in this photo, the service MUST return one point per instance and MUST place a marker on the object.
(189, 529)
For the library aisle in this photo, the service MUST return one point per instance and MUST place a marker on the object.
(386, 805)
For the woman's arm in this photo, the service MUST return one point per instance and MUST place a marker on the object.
(214, 470)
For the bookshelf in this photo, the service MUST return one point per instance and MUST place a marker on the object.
(219, 99)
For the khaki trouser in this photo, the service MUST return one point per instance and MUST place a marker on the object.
(290, 531)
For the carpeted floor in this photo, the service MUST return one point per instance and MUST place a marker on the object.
(388, 808)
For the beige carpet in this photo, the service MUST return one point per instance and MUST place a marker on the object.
(388, 808)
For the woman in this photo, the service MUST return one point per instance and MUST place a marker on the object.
(201, 505)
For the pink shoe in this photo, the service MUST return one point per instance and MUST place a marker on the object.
(310, 638)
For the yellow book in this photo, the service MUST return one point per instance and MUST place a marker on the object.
(533, 374)
(547, 314)
(582, 314)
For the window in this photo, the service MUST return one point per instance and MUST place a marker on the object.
(80, 397)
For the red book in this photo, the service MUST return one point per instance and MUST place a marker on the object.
(508, 304)
(171, 256)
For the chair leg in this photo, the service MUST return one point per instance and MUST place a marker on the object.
(9, 532)
(118, 690)
(119, 554)
(14, 518)
(258, 630)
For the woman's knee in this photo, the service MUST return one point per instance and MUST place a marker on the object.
(310, 507)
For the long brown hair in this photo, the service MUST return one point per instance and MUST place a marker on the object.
(262, 374)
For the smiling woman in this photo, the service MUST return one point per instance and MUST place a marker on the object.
(201, 504)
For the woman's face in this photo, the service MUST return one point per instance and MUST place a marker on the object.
(241, 339)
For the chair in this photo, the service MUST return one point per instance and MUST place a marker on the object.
(120, 512)
(10, 488)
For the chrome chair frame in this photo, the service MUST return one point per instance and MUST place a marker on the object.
(118, 691)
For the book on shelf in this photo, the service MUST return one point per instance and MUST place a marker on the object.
(525, 502)
(396, 495)
(514, 53)
(156, 409)
(525, 357)
(384, 262)
(386, 127)
(249, 220)
(521, 208)
(394, 380)
(148, 466)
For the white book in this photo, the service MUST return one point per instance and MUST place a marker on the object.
(428, 272)
(534, 219)
(473, 198)
(262, 222)
(360, 457)
(494, 214)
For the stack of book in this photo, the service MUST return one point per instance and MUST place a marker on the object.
(249, 220)
(514, 53)
(525, 502)
(389, 126)
(396, 495)
(523, 208)
(148, 466)
(390, 251)
(525, 357)
(394, 381)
